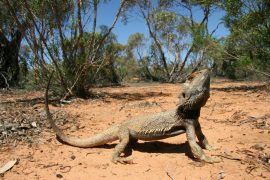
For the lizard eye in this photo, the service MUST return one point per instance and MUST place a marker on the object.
(184, 95)
(190, 78)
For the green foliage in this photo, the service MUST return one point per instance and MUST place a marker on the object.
(24, 60)
(173, 30)
(127, 68)
(248, 21)
(165, 19)
(136, 40)
(199, 36)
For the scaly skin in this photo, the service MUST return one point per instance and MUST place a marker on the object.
(160, 126)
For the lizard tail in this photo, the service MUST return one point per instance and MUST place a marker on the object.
(104, 137)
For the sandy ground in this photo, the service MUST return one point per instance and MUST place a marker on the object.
(236, 120)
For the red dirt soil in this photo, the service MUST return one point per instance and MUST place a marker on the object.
(236, 120)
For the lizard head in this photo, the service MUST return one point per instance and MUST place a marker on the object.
(196, 90)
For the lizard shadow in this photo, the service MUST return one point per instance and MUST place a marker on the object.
(155, 147)
(163, 147)
(133, 96)
(243, 88)
(151, 147)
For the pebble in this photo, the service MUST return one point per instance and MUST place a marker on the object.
(258, 146)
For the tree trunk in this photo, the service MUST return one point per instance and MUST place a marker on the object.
(114, 76)
(80, 89)
(9, 62)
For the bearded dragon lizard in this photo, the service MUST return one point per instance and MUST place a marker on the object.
(184, 119)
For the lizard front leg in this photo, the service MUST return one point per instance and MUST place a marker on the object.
(120, 147)
(195, 148)
(201, 137)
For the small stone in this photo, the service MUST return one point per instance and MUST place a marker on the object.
(34, 124)
(59, 176)
(73, 157)
(221, 175)
(258, 146)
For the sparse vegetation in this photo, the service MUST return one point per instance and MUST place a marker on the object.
(38, 37)
(100, 79)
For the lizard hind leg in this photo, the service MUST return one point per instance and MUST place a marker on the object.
(120, 148)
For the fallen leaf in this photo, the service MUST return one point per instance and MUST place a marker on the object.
(7, 166)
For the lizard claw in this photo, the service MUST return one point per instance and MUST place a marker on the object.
(209, 159)
(122, 160)
(209, 147)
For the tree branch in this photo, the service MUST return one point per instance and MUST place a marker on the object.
(46, 45)
(6, 81)
(158, 44)
(54, 6)
(3, 38)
